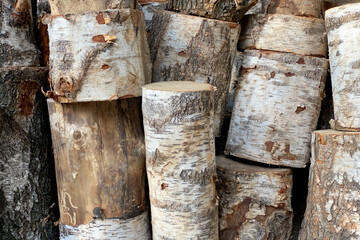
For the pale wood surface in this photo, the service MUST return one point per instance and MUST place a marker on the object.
(310, 8)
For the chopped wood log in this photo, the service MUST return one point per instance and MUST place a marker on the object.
(234, 82)
(343, 27)
(284, 33)
(149, 8)
(334, 187)
(180, 159)
(290, 90)
(255, 202)
(17, 42)
(26, 184)
(310, 8)
(334, 3)
(99, 149)
(62, 7)
(190, 48)
(226, 10)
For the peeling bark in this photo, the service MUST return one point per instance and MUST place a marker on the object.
(290, 90)
(180, 159)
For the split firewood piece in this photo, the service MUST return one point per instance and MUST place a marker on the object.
(334, 3)
(17, 42)
(98, 56)
(255, 202)
(234, 81)
(310, 8)
(62, 7)
(343, 27)
(284, 33)
(277, 106)
(100, 168)
(26, 192)
(180, 159)
(190, 48)
(332, 210)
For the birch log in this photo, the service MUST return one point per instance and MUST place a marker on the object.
(310, 8)
(98, 56)
(290, 90)
(226, 10)
(189, 48)
(334, 187)
(234, 80)
(284, 33)
(180, 159)
(149, 8)
(255, 202)
(26, 192)
(334, 3)
(17, 42)
(62, 7)
(343, 26)
(100, 167)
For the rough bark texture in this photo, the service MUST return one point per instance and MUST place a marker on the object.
(310, 8)
(180, 159)
(284, 33)
(255, 202)
(227, 10)
(62, 7)
(26, 193)
(343, 26)
(41, 32)
(290, 90)
(17, 43)
(334, 187)
(189, 48)
(149, 9)
(334, 3)
(100, 160)
(234, 82)
(98, 56)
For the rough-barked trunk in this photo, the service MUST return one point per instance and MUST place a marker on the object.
(234, 81)
(255, 202)
(26, 187)
(277, 106)
(98, 56)
(149, 9)
(310, 8)
(190, 48)
(41, 33)
(334, 3)
(180, 159)
(332, 210)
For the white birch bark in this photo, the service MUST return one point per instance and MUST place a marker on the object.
(334, 3)
(276, 107)
(343, 27)
(284, 33)
(180, 159)
(98, 56)
(332, 210)
(190, 48)
(255, 202)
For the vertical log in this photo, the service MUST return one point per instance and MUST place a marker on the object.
(234, 82)
(290, 90)
(42, 35)
(26, 193)
(99, 149)
(180, 159)
(189, 48)
(255, 202)
(342, 24)
(334, 187)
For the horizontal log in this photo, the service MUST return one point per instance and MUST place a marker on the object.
(190, 48)
(290, 90)
(284, 33)
(342, 24)
(98, 56)
(335, 3)
(334, 187)
(255, 202)
(310, 8)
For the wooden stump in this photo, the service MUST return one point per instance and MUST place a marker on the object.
(334, 187)
(17, 43)
(343, 28)
(284, 33)
(234, 81)
(26, 193)
(100, 167)
(180, 159)
(189, 48)
(310, 8)
(290, 90)
(98, 56)
(226, 10)
(255, 202)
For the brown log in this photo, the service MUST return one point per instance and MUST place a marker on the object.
(310, 8)
(100, 167)
(190, 48)
(180, 159)
(255, 202)
(26, 182)
(332, 210)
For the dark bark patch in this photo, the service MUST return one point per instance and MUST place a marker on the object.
(299, 109)
(100, 18)
(301, 61)
(105, 67)
(26, 95)
(288, 155)
(269, 146)
(289, 74)
(99, 38)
